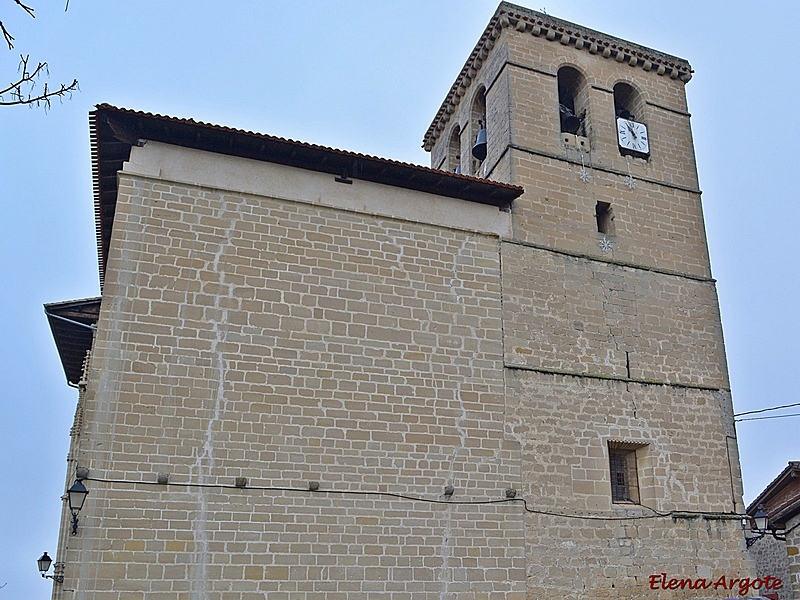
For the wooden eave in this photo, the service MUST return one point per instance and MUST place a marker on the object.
(114, 131)
(781, 498)
(71, 324)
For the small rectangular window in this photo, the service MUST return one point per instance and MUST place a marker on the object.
(624, 478)
(605, 218)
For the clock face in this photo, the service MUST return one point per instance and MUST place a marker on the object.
(633, 136)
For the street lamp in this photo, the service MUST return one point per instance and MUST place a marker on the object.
(760, 525)
(761, 519)
(44, 563)
(77, 496)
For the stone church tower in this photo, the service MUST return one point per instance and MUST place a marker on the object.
(314, 374)
(615, 371)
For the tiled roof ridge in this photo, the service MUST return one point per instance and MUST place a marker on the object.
(224, 128)
(552, 29)
(61, 303)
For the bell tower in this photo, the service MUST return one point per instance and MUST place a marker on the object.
(617, 388)
(552, 98)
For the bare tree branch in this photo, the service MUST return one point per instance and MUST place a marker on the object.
(27, 9)
(7, 36)
(23, 91)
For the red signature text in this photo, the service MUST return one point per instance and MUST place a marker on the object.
(742, 585)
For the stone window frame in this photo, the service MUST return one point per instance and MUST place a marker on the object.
(624, 469)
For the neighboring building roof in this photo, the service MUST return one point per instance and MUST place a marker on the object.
(781, 498)
(115, 130)
(72, 324)
(554, 30)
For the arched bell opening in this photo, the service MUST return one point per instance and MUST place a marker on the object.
(478, 127)
(631, 125)
(628, 103)
(454, 151)
(573, 101)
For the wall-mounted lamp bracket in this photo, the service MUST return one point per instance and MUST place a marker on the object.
(760, 525)
(44, 563)
(77, 496)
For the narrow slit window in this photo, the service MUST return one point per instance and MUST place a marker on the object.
(605, 218)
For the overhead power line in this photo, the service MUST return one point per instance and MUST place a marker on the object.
(752, 412)
(767, 417)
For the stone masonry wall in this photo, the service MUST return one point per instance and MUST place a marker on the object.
(583, 316)
(245, 336)
(564, 424)
(771, 558)
(792, 546)
(653, 226)
(600, 549)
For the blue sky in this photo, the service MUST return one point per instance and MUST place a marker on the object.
(366, 76)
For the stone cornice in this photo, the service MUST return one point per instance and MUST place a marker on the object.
(554, 30)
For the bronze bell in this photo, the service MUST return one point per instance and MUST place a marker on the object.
(570, 123)
(479, 149)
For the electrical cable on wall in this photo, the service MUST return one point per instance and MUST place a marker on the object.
(675, 514)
